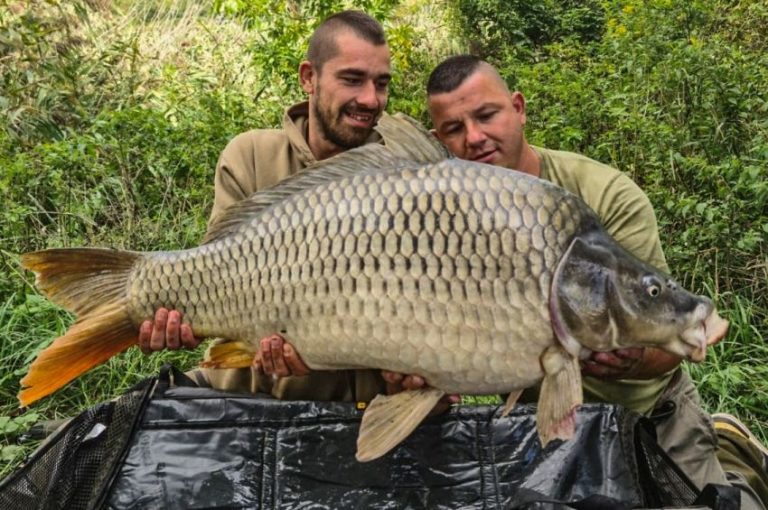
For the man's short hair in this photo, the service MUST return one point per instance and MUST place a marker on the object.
(322, 44)
(451, 73)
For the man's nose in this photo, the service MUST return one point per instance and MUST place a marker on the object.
(367, 97)
(475, 135)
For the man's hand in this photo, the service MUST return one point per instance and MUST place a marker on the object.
(278, 358)
(166, 332)
(630, 363)
(397, 382)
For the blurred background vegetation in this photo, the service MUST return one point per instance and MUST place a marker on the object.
(113, 113)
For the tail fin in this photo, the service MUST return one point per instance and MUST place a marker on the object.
(90, 282)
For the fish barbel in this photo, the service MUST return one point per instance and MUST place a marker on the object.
(480, 279)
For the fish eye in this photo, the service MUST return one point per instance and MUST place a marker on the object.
(652, 286)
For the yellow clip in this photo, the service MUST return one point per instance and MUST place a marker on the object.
(361, 406)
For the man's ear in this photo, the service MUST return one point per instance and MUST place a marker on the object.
(518, 103)
(435, 133)
(306, 74)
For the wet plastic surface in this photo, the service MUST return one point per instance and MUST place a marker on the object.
(197, 448)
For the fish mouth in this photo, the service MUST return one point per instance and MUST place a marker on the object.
(705, 332)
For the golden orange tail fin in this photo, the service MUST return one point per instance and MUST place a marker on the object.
(92, 283)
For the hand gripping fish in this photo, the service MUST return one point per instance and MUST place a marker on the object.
(480, 279)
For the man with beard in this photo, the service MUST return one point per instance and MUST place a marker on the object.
(346, 76)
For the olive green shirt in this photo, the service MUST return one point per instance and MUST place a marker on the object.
(627, 214)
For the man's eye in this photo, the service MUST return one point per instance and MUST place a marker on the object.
(383, 84)
(486, 116)
(351, 81)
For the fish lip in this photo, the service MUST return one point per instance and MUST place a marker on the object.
(715, 328)
(693, 337)
(698, 346)
(703, 333)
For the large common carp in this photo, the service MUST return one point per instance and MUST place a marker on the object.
(480, 279)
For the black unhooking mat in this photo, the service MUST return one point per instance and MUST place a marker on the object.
(167, 445)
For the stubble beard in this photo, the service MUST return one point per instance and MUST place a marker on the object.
(330, 123)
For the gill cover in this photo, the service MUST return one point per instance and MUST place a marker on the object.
(582, 296)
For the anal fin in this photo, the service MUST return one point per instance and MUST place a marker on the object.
(561, 394)
(390, 419)
(512, 399)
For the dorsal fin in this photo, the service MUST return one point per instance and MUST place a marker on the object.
(408, 139)
(406, 144)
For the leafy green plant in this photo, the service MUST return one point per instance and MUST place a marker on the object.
(12, 427)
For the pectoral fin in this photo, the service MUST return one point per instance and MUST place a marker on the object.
(390, 419)
(561, 394)
(580, 298)
(229, 355)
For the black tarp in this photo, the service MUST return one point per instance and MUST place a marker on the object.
(170, 447)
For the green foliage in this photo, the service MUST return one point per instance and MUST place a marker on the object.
(106, 181)
(284, 27)
(108, 138)
(55, 83)
(733, 378)
(500, 30)
(13, 427)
